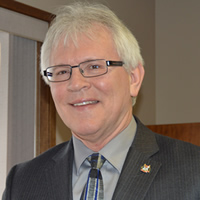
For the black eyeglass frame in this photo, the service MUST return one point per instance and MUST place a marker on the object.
(109, 63)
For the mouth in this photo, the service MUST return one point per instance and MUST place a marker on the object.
(84, 103)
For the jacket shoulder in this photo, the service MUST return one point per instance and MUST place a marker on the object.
(43, 158)
(30, 175)
(177, 146)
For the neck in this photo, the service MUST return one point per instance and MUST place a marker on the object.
(98, 141)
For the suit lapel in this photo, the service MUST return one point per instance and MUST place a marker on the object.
(59, 174)
(133, 183)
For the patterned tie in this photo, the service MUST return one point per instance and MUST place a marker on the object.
(93, 189)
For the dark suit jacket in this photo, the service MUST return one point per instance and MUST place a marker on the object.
(174, 175)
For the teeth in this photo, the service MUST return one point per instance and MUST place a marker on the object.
(85, 103)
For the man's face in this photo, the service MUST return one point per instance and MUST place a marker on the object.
(96, 108)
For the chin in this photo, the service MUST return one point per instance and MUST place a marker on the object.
(84, 132)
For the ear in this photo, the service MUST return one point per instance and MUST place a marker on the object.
(136, 78)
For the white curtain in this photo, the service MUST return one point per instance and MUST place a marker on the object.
(17, 101)
(21, 99)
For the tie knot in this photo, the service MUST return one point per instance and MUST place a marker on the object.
(96, 160)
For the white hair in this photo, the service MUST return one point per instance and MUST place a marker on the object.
(79, 18)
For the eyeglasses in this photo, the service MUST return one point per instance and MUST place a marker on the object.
(88, 69)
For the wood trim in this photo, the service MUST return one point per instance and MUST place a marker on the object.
(27, 10)
(46, 113)
(188, 132)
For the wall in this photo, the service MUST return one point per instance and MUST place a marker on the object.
(4, 60)
(21, 25)
(177, 61)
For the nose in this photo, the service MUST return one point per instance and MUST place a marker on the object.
(77, 82)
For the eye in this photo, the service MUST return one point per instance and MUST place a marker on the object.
(95, 67)
(59, 72)
(62, 72)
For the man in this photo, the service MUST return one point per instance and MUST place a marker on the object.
(93, 66)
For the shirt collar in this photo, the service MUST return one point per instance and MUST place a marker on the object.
(115, 151)
(81, 152)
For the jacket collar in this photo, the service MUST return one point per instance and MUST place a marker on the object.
(133, 183)
(59, 173)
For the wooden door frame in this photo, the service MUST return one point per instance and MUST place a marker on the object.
(27, 10)
(46, 113)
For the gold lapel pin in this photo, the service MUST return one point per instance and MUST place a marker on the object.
(145, 168)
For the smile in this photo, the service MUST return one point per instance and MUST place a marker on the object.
(85, 103)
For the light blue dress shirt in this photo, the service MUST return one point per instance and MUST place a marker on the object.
(115, 153)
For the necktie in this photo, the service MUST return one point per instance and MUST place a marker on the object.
(93, 189)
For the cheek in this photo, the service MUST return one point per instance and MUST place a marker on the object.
(110, 93)
(114, 89)
(102, 87)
